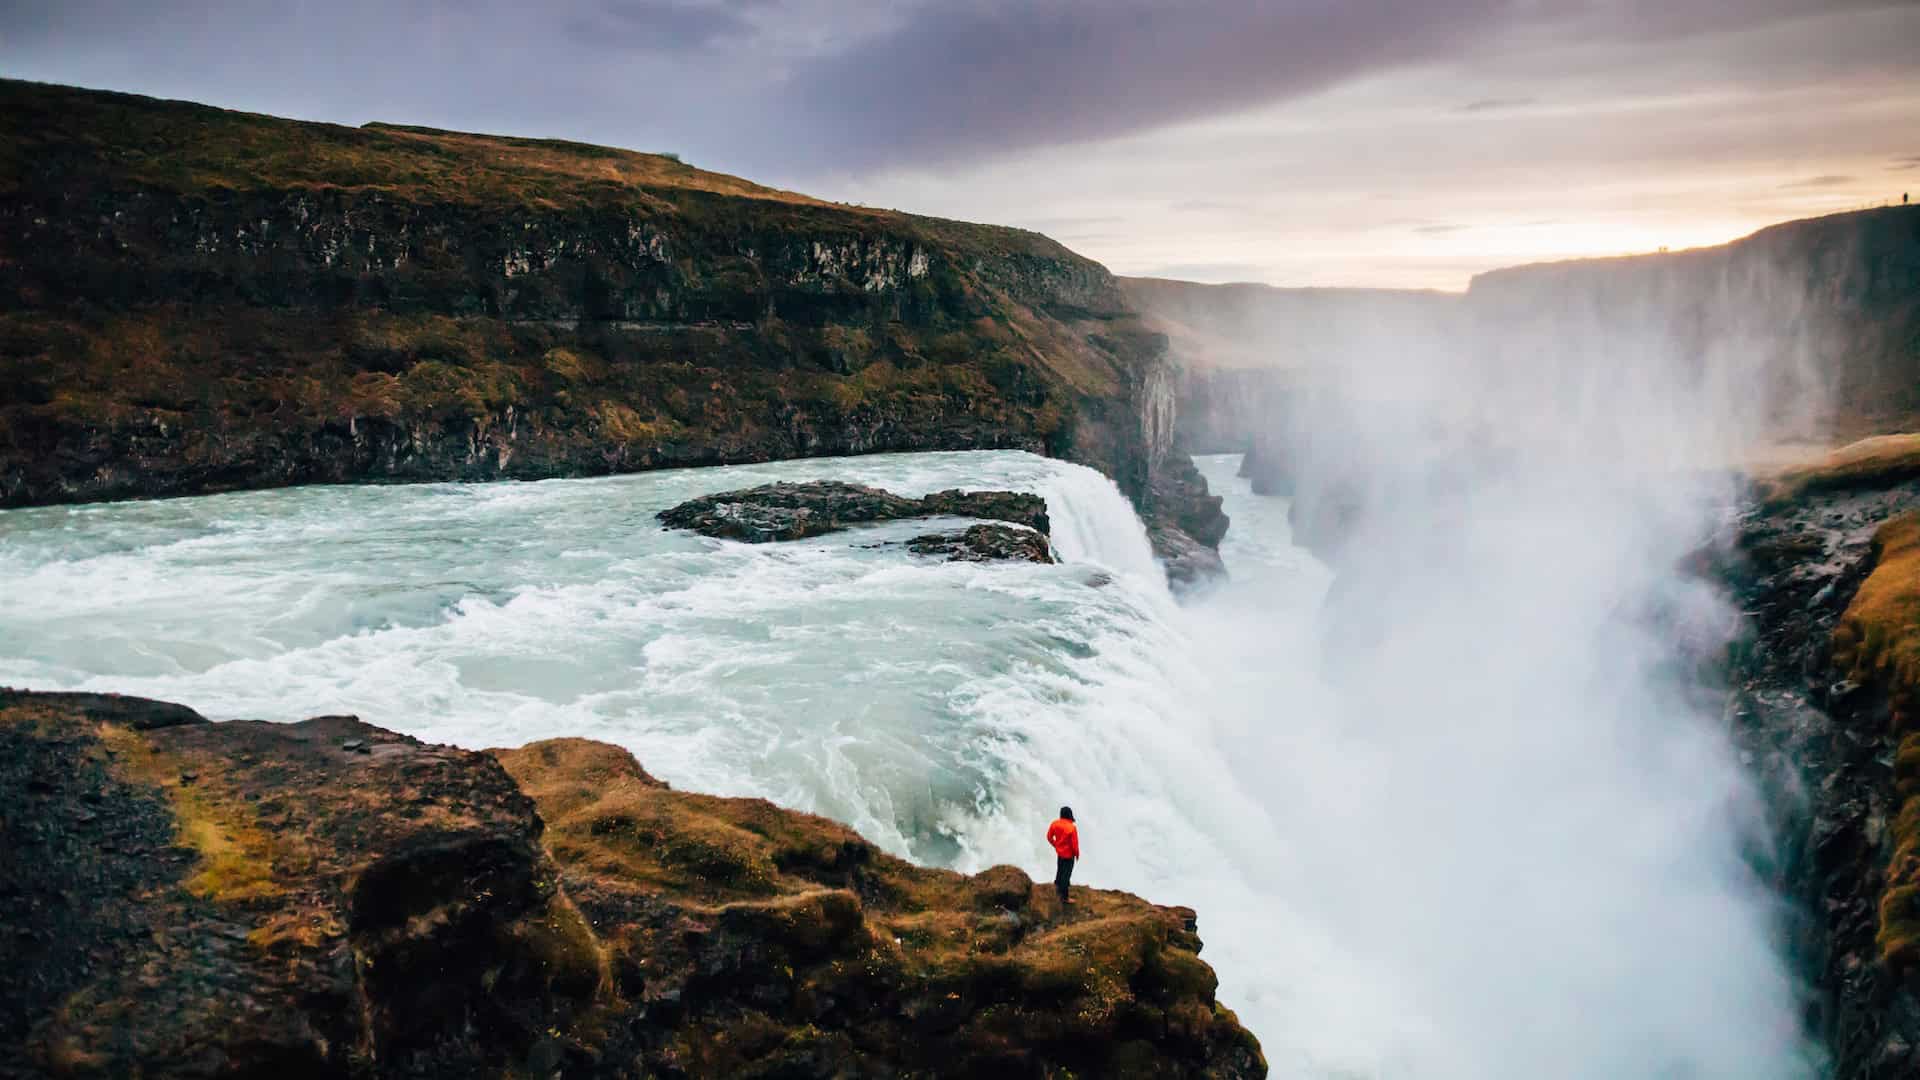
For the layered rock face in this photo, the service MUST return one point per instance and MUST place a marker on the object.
(327, 898)
(195, 300)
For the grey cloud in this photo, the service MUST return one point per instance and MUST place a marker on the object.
(962, 80)
(1496, 104)
(1819, 182)
(958, 79)
(658, 24)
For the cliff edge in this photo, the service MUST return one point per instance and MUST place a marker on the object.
(184, 898)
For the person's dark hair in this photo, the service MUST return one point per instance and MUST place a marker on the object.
(1067, 812)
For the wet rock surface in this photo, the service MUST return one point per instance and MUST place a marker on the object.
(327, 898)
(795, 511)
(1824, 748)
(985, 543)
(1189, 564)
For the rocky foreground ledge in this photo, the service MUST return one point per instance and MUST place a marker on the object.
(327, 898)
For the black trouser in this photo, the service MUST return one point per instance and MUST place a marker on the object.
(1062, 877)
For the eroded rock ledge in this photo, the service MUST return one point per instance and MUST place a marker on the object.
(184, 898)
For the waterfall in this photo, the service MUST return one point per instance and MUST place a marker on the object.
(1417, 891)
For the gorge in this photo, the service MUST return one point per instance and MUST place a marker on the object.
(648, 618)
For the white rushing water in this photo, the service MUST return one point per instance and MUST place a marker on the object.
(944, 710)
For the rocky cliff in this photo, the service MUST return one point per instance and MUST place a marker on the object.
(196, 300)
(1823, 699)
(186, 899)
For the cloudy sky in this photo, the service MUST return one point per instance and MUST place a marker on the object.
(1298, 142)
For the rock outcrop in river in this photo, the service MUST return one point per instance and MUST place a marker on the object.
(186, 899)
(196, 300)
(795, 511)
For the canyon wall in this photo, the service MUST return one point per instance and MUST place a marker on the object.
(1824, 313)
(196, 300)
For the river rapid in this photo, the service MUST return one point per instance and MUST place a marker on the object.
(945, 711)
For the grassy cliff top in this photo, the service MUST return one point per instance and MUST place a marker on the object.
(1843, 238)
(1873, 462)
(187, 147)
(57, 134)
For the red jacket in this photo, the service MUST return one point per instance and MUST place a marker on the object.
(1064, 835)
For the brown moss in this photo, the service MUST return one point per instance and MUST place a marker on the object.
(1877, 642)
(800, 909)
(560, 947)
(574, 365)
(236, 855)
(625, 425)
(1877, 639)
(1876, 461)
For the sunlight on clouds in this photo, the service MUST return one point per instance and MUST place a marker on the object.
(1423, 177)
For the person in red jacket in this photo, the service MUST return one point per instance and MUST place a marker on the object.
(1064, 835)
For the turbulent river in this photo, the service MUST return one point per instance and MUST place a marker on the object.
(944, 710)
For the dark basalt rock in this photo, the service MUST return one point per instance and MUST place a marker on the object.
(329, 899)
(795, 511)
(140, 714)
(985, 543)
